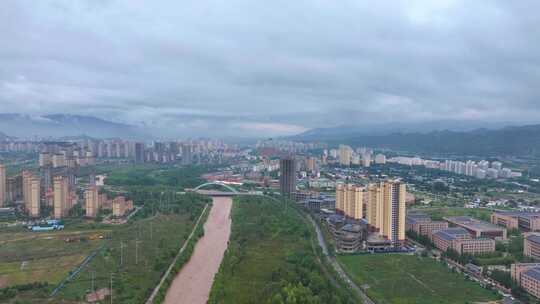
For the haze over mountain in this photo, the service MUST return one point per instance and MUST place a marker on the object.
(508, 141)
(63, 125)
(253, 69)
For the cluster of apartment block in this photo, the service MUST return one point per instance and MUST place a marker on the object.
(381, 205)
(482, 169)
(468, 236)
(94, 201)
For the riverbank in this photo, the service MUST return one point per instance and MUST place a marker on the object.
(192, 285)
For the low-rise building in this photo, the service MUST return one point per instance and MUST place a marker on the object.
(478, 228)
(530, 281)
(517, 269)
(351, 237)
(527, 221)
(423, 225)
(121, 206)
(443, 238)
(531, 246)
(413, 218)
(335, 222)
(473, 246)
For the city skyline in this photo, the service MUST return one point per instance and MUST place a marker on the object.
(277, 69)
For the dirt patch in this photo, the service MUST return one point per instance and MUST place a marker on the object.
(3, 281)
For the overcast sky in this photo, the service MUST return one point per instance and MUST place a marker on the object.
(271, 67)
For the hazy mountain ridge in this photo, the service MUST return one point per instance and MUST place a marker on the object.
(64, 125)
(511, 141)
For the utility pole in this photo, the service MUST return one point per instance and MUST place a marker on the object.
(93, 279)
(121, 253)
(111, 287)
(137, 252)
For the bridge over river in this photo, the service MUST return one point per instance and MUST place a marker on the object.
(216, 193)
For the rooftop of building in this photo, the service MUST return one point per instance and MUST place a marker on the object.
(534, 238)
(477, 239)
(376, 238)
(519, 213)
(416, 220)
(336, 218)
(355, 228)
(451, 233)
(473, 223)
(533, 273)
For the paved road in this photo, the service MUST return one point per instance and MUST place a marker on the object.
(337, 267)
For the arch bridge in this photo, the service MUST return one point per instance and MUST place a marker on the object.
(231, 191)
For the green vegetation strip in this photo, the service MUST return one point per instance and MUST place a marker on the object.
(270, 258)
(408, 279)
(158, 295)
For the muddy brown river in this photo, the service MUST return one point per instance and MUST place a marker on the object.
(192, 285)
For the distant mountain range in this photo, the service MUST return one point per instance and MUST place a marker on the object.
(509, 141)
(64, 125)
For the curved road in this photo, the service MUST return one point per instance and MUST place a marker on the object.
(337, 267)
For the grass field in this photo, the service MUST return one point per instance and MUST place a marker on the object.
(27, 257)
(149, 245)
(439, 213)
(136, 254)
(407, 279)
(270, 259)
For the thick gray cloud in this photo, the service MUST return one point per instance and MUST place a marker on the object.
(267, 68)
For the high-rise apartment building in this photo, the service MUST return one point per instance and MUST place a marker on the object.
(139, 152)
(31, 185)
(366, 160)
(354, 203)
(350, 200)
(91, 201)
(345, 155)
(3, 185)
(311, 164)
(394, 212)
(340, 198)
(186, 155)
(34, 203)
(26, 176)
(380, 159)
(287, 178)
(61, 197)
(14, 188)
(374, 208)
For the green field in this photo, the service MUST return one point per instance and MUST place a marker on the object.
(439, 213)
(149, 245)
(407, 279)
(28, 257)
(156, 176)
(136, 253)
(270, 259)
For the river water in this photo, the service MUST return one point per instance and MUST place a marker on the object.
(192, 285)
